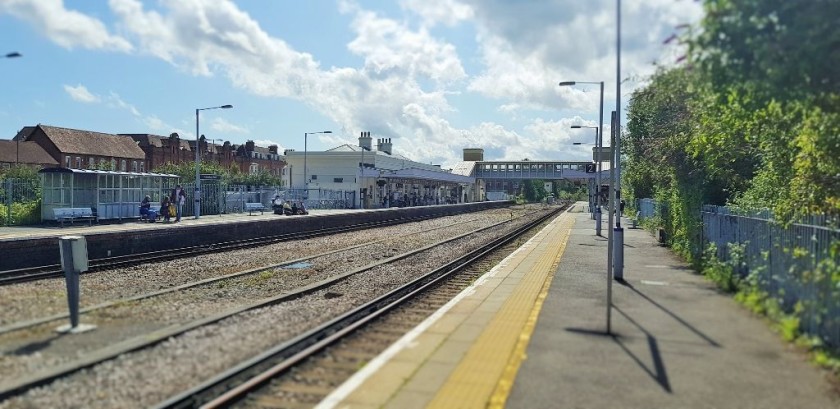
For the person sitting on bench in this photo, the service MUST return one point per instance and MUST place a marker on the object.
(145, 205)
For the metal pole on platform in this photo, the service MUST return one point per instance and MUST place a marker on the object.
(618, 247)
(610, 231)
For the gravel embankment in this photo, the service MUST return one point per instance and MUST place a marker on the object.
(146, 377)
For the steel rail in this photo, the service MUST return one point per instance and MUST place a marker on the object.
(231, 386)
(53, 271)
(158, 336)
(43, 320)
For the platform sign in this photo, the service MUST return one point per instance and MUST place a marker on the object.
(604, 154)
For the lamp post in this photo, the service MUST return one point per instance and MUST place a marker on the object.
(596, 211)
(198, 159)
(305, 152)
(15, 54)
(618, 232)
(599, 144)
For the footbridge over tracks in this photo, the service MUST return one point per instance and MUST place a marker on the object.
(507, 176)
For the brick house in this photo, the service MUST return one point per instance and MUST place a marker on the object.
(78, 149)
(24, 153)
(247, 157)
(252, 159)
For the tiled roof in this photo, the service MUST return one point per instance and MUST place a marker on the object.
(158, 141)
(30, 152)
(145, 139)
(93, 143)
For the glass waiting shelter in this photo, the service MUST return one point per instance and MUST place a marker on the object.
(111, 195)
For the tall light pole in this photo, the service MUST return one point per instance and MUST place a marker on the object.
(618, 235)
(305, 151)
(15, 54)
(596, 212)
(599, 145)
(198, 159)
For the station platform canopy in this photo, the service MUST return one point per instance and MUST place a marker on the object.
(111, 194)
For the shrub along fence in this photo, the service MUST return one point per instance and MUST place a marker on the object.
(796, 265)
(20, 201)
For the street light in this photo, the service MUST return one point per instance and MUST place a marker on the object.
(198, 159)
(305, 150)
(15, 54)
(599, 144)
(596, 193)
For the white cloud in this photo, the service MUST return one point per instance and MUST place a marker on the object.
(526, 51)
(67, 28)
(390, 47)
(80, 93)
(267, 143)
(115, 101)
(448, 12)
(156, 124)
(222, 125)
(403, 88)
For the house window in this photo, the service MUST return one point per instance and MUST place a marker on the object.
(134, 166)
(314, 177)
(254, 168)
(67, 160)
(101, 163)
(122, 165)
(113, 164)
(78, 162)
(338, 180)
(142, 166)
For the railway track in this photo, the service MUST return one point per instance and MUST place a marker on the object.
(159, 336)
(254, 271)
(293, 374)
(52, 271)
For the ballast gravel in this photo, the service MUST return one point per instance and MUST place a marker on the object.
(149, 376)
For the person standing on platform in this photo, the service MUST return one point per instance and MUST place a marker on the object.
(178, 197)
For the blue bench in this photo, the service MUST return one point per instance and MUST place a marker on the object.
(253, 207)
(72, 214)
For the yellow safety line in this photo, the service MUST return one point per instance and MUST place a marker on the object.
(462, 385)
(500, 395)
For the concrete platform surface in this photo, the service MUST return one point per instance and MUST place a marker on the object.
(531, 334)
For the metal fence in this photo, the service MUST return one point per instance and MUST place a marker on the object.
(235, 197)
(647, 208)
(794, 264)
(20, 201)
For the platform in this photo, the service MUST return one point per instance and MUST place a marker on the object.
(531, 334)
(52, 230)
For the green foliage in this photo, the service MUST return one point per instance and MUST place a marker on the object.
(777, 49)
(565, 190)
(22, 213)
(21, 172)
(723, 274)
(752, 121)
(534, 190)
(231, 175)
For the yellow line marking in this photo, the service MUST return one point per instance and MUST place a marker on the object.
(482, 379)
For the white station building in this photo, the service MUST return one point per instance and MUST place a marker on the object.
(376, 178)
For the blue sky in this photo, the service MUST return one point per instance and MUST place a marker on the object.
(435, 75)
